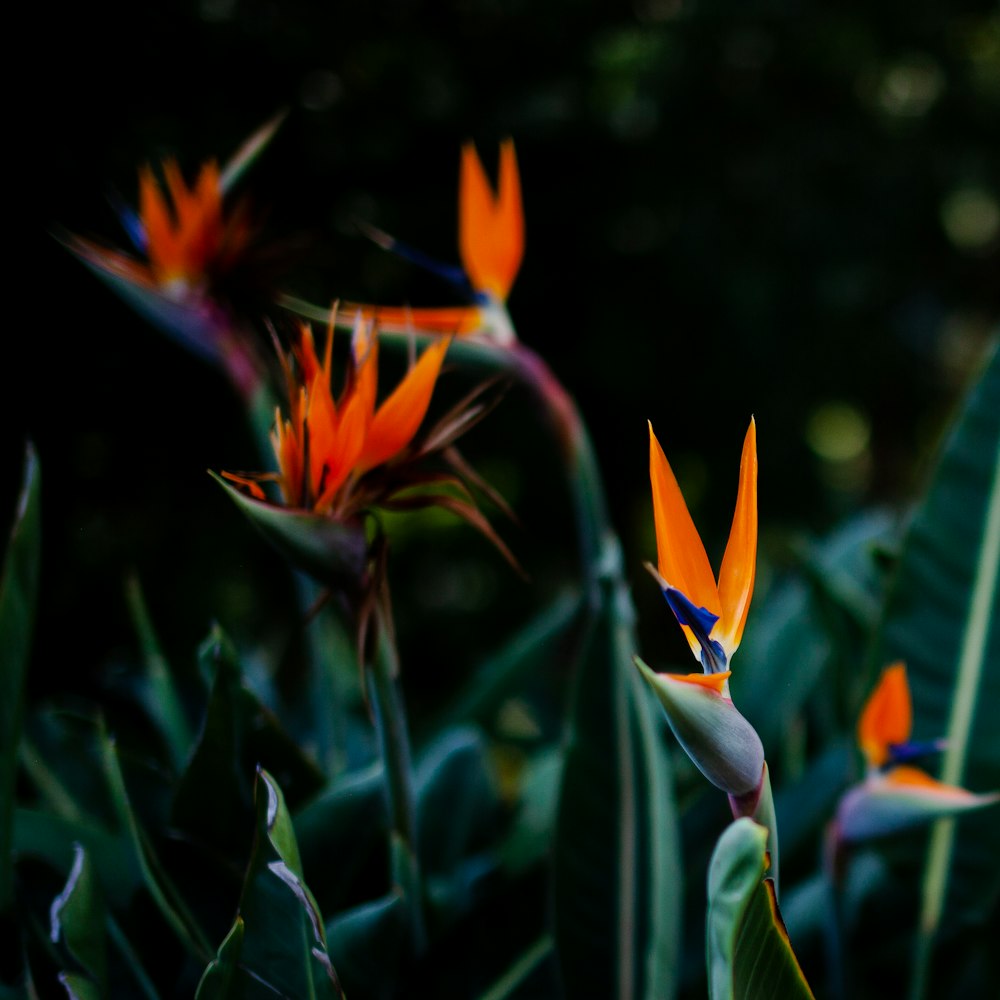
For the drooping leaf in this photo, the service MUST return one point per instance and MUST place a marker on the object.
(749, 954)
(941, 619)
(277, 946)
(18, 592)
(617, 879)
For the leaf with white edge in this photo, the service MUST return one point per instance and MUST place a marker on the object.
(749, 954)
(76, 921)
(282, 945)
(18, 594)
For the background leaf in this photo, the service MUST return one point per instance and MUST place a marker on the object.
(617, 877)
(940, 619)
(18, 592)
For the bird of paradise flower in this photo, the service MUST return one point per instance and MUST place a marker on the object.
(186, 242)
(894, 795)
(342, 458)
(491, 248)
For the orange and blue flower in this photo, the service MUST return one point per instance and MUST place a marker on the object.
(187, 243)
(491, 248)
(720, 741)
(894, 794)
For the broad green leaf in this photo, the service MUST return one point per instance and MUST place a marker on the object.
(369, 942)
(940, 618)
(277, 946)
(749, 954)
(76, 920)
(456, 798)
(348, 822)
(214, 798)
(617, 877)
(18, 592)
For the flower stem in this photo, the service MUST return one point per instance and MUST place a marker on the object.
(394, 744)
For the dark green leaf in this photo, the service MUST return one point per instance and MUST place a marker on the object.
(348, 822)
(18, 592)
(617, 876)
(368, 943)
(749, 954)
(456, 798)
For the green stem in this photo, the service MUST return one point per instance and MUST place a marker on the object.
(394, 743)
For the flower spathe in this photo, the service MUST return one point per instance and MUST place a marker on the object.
(894, 795)
(720, 741)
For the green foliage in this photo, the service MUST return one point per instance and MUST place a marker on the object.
(749, 955)
(18, 590)
(940, 619)
(617, 878)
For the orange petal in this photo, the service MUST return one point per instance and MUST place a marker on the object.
(736, 576)
(490, 229)
(399, 417)
(717, 682)
(887, 716)
(401, 319)
(157, 223)
(681, 556)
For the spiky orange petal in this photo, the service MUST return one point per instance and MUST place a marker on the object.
(490, 228)
(681, 556)
(887, 716)
(399, 417)
(736, 576)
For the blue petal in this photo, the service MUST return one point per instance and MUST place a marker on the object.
(900, 753)
(129, 220)
(701, 621)
(452, 273)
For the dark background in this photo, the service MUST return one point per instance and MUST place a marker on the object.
(783, 209)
